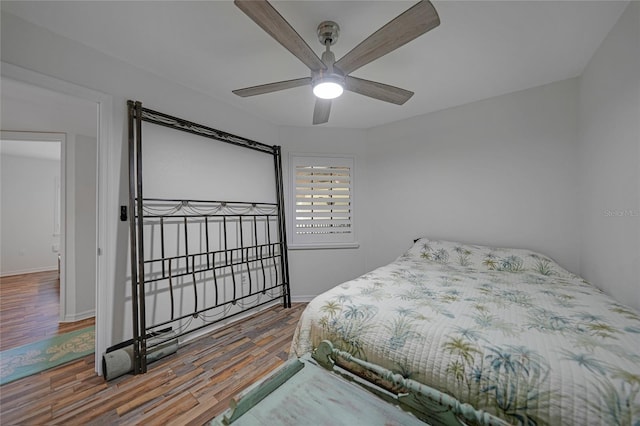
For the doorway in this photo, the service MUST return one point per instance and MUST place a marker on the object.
(51, 146)
(31, 209)
(108, 171)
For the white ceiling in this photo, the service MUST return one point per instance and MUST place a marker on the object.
(481, 49)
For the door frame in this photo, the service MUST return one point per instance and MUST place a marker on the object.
(107, 170)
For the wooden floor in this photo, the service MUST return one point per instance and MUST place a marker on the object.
(29, 309)
(186, 388)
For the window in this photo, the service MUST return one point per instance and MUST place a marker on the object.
(321, 200)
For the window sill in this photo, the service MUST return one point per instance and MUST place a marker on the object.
(325, 246)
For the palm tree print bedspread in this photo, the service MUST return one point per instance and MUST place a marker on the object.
(506, 330)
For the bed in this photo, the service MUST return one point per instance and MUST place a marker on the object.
(508, 331)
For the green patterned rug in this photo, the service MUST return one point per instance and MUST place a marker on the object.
(33, 358)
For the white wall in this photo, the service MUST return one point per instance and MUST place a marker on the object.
(609, 154)
(84, 297)
(314, 271)
(500, 171)
(180, 165)
(28, 201)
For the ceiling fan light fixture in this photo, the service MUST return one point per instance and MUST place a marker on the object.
(328, 89)
(329, 78)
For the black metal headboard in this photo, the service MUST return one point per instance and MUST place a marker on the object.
(195, 263)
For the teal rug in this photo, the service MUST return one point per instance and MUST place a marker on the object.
(35, 357)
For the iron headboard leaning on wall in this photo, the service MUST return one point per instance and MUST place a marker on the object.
(195, 263)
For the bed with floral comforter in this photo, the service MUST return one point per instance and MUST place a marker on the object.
(508, 331)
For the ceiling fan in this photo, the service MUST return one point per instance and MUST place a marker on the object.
(330, 77)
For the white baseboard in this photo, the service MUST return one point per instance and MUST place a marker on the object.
(79, 316)
(29, 271)
(302, 299)
(206, 330)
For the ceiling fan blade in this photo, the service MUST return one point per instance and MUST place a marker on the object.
(263, 14)
(412, 23)
(373, 89)
(272, 87)
(321, 111)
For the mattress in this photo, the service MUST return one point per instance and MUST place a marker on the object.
(508, 331)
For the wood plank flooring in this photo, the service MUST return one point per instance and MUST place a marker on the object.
(29, 309)
(186, 388)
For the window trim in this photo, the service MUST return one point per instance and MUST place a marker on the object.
(293, 242)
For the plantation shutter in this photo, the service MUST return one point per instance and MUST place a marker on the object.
(323, 200)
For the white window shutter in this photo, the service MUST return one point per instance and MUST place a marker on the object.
(322, 201)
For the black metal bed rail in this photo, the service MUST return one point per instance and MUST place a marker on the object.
(195, 263)
(162, 119)
(223, 202)
(206, 268)
(161, 341)
(198, 312)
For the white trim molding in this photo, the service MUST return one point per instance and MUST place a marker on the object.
(107, 172)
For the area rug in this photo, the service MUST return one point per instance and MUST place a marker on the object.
(35, 357)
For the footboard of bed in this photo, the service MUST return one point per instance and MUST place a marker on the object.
(426, 403)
